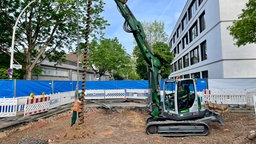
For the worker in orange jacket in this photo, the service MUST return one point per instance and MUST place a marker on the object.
(76, 109)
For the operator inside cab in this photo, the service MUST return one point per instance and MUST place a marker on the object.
(183, 92)
(183, 96)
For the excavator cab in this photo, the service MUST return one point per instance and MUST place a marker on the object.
(180, 98)
(181, 111)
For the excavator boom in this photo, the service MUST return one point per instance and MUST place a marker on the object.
(132, 25)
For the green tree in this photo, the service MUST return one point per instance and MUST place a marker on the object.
(46, 28)
(162, 51)
(154, 33)
(141, 65)
(244, 29)
(4, 65)
(107, 56)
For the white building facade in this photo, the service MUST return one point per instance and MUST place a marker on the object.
(202, 44)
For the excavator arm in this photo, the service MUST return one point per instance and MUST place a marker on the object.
(132, 25)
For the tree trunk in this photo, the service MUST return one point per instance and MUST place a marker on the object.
(28, 75)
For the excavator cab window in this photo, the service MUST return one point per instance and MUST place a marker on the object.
(169, 93)
(185, 94)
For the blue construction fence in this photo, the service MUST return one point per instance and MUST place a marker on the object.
(19, 88)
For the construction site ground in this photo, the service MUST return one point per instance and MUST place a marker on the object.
(120, 125)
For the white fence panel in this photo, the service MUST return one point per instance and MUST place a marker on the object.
(55, 100)
(95, 94)
(67, 97)
(224, 96)
(110, 94)
(227, 92)
(225, 99)
(8, 107)
(136, 93)
(250, 96)
(21, 103)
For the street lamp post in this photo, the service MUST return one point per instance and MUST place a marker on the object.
(13, 37)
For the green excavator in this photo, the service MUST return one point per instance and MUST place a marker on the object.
(178, 111)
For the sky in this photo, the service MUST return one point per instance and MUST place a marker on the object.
(167, 11)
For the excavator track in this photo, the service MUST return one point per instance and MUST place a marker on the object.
(177, 128)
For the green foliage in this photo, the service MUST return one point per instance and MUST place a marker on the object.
(107, 56)
(4, 61)
(154, 32)
(46, 28)
(156, 38)
(3, 73)
(4, 66)
(244, 29)
(57, 56)
(141, 65)
(37, 70)
(17, 74)
(65, 1)
(162, 51)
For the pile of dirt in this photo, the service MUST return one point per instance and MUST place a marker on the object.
(120, 126)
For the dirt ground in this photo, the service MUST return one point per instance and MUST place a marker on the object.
(123, 126)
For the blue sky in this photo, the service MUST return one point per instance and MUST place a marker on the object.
(167, 11)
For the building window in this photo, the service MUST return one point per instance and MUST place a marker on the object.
(192, 9)
(180, 64)
(180, 46)
(186, 76)
(194, 56)
(195, 75)
(175, 51)
(170, 43)
(200, 2)
(203, 50)
(185, 41)
(178, 32)
(204, 74)
(175, 66)
(184, 22)
(173, 38)
(202, 22)
(185, 61)
(193, 32)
